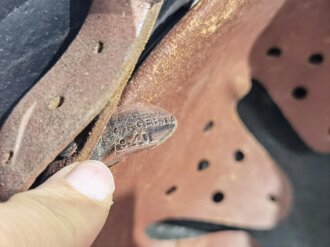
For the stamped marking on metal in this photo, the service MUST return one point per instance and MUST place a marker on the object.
(130, 130)
(134, 129)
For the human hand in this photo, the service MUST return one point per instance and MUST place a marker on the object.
(69, 209)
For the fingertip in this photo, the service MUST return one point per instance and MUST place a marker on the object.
(92, 179)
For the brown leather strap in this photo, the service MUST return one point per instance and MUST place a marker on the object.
(92, 73)
(212, 169)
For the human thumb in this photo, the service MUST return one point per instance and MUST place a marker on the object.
(69, 209)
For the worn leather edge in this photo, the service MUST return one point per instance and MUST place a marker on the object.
(109, 109)
(18, 176)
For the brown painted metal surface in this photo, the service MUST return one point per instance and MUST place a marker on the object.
(92, 73)
(292, 60)
(212, 169)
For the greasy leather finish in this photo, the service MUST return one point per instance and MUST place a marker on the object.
(31, 33)
(209, 171)
(291, 60)
(91, 74)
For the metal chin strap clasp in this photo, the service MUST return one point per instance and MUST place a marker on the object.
(133, 129)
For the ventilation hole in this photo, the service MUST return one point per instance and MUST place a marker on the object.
(99, 48)
(316, 58)
(171, 190)
(299, 93)
(273, 198)
(203, 164)
(218, 197)
(7, 158)
(274, 52)
(209, 125)
(56, 102)
(239, 155)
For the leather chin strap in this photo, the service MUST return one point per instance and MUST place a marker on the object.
(32, 34)
(212, 169)
(92, 73)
